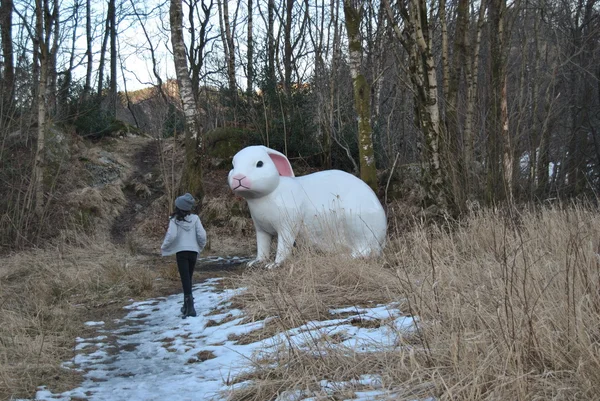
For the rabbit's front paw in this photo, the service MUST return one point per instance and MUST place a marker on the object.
(255, 262)
(272, 265)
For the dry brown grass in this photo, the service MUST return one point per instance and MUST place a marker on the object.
(46, 295)
(509, 305)
(311, 284)
(227, 211)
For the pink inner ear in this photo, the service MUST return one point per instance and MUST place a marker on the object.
(283, 165)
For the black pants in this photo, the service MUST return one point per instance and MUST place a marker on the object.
(186, 262)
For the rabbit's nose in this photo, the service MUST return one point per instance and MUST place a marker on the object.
(238, 177)
(240, 182)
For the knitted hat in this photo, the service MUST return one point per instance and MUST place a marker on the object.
(185, 202)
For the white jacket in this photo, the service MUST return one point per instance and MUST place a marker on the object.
(186, 235)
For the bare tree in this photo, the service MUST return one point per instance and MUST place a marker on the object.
(102, 61)
(87, 88)
(287, 45)
(199, 39)
(63, 91)
(191, 180)
(325, 47)
(228, 44)
(271, 79)
(152, 49)
(112, 91)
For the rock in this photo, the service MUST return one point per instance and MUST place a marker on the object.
(57, 144)
(101, 175)
(104, 167)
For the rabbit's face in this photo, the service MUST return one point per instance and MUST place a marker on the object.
(254, 174)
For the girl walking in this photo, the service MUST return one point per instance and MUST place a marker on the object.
(185, 238)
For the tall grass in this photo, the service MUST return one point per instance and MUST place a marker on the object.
(508, 306)
(46, 295)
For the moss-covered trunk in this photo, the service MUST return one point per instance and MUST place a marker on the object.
(416, 38)
(362, 95)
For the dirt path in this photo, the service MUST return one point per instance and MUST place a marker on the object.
(142, 186)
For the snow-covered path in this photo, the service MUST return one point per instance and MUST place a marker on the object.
(154, 354)
(157, 355)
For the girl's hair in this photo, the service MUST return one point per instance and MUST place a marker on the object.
(180, 215)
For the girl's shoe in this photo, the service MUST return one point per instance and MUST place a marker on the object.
(188, 304)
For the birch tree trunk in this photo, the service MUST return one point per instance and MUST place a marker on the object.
(362, 94)
(429, 107)
(191, 179)
(445, 55)
(416, 39)
(43, 31)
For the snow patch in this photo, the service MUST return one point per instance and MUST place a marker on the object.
(156, 355)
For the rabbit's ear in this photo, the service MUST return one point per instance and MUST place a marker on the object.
(281, 162)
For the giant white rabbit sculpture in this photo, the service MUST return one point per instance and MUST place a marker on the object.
(330, 209)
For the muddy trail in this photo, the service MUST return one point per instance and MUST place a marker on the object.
(141, 188)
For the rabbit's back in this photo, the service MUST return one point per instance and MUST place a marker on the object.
(341, 209)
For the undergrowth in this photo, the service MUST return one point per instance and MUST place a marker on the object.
(507, 307)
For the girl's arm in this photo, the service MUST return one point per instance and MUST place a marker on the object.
(170, 236)
(200, 235)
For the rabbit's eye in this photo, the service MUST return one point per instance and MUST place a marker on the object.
(259, 164)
